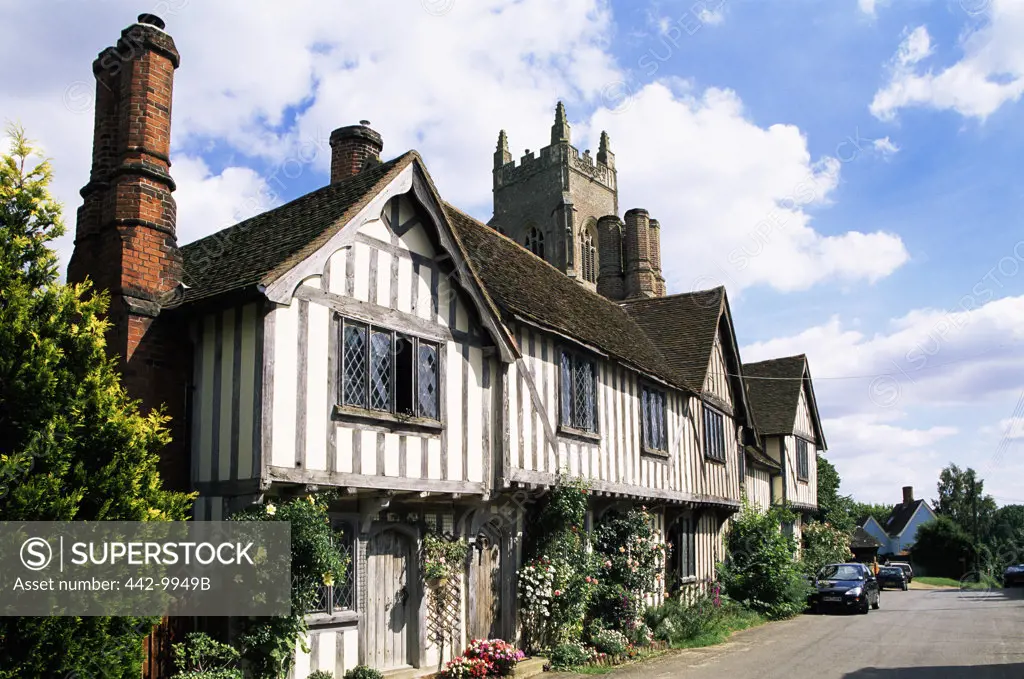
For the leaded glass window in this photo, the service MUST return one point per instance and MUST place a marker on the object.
(426, 379)
(380, 370)
(340, 595)
(389, 372)
(354, 361)
(714, 435)
(652, 404)
(579, 392)
(802, 471)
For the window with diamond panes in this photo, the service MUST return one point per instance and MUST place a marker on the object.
(389, 372)
(579, 392)
(354, 361)
(426, 382)
(652, 406)
(340, 596)
(802, 471)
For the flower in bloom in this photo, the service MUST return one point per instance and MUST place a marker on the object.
(607, 564)
(622, 550)
(328, 578)
(558, 592)
(271, 509)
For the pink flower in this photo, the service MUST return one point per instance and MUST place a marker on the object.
(558, 592)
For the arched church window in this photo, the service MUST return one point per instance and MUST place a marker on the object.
(535, 241)
(588, 255)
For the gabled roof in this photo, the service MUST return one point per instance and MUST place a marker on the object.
(683, 327)
(526, 286)
(256, 251)
(774, 388)
(901, 516)
(861, 539)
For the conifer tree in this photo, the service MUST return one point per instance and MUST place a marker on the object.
(73, 445)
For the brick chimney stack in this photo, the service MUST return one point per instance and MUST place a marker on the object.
(353, 149)
(609, 251)
(640, 278)
(125, 240)
(908, 494)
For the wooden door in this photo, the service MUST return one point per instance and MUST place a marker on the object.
(484, 592)
(390, 606)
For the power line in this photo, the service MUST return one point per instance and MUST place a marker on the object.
(874, 375)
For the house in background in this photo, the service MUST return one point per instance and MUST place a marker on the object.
(864, 545)
(786, 414)
(899, 531)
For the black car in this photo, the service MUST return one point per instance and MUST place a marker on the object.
(907, 570)
(1013, 576)
(845, 586)
(892, 576)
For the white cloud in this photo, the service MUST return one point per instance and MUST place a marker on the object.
(867, 6)
(733, 197)
(889, 398)
(885, 147)
(990, 73)
(261, 80)
(207, 202)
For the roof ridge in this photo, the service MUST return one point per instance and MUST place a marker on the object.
(677, 295)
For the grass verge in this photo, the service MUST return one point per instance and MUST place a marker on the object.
(723, 629)
(956, 584)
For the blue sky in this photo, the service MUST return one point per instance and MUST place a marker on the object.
(848, 169)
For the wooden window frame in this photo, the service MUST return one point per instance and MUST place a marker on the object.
(803, 463)
(709, 416)
(391, 414)
(645, 444)
(567, 423)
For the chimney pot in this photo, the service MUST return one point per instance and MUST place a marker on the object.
(353, 149)
(908, 494)
(152, 20)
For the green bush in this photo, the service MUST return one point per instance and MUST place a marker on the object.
(363, 672)
(570, 654)
(200, 657)
(759, 570)
(610, 641)
(823, 544)
(942, 548)
(320, 674)
(677, 622)
(75, 446)
(269, 643)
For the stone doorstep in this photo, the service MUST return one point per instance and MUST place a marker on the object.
(526, 668)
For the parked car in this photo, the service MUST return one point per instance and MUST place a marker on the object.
(846, 586)
(905, 566)
(1013, 576)
(892, 576)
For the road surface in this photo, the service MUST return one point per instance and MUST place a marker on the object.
(919, 634)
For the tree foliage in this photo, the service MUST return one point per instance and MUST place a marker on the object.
(823, 544)
(73, 445)
(759, 570)
(943, 548)
(833, 508)
(962, 498)
(863, 510)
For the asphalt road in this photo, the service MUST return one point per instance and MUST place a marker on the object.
(919, 634)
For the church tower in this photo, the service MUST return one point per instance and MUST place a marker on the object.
(551, 201)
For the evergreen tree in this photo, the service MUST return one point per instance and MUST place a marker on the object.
(833, 508)
(73, 445)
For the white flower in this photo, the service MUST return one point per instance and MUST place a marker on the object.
(271, 509)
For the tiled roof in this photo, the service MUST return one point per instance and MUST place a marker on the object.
(524, 285)
(900, 517)
(862, 539)
(773, 388)
(683, 327)
(260, 248)
(760, 458)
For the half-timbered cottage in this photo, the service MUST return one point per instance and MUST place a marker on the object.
(782, 397)
(371, 338)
